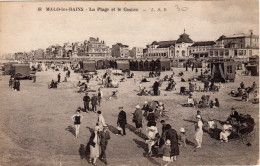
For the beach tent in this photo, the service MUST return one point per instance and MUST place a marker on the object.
(134, 65)
(106, 64)
(223, 70)
(123, 65)
(9, 68)
(137, 65)
(146, 65)
(100, 64)
(152, 65)
(197, 64)
(165, 64)
(131, 64)
(89, 66)
(253, 70)
(22, 70)
(141, 65)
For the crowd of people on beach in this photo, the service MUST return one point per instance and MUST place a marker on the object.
(164, 144)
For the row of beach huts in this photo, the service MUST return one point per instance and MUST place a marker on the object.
(219, 67)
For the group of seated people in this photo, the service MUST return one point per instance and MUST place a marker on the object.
(130, 75)
(14, 84)
(114, 95)
(205, 102)
(181, 74)
(241, 89)
(171, 86)
(144, 92)
(53, 84)
(154, 74)
(213, 87)
(82, 86)
(243, 123)
(144, 79)
(107, 82)
(168, 78)
(153, 110)
(235, 126)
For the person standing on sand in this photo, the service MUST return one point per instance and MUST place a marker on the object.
(94, 142)
(58, 78)
(138, 118)
(86, 100)
(171, 134)
(94, 103)
(34, 78)
(104, 137)
(199, 132)
(101, 121)
(100, 95)
(121, 122)
(77, 121)
(167, 152)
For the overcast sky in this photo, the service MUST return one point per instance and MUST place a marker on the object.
(24, 28)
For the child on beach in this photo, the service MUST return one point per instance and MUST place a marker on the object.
(167, 152)
(183, 137)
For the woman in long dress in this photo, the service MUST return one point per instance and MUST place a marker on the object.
(152, 131)
(198, 132)
(94, 146)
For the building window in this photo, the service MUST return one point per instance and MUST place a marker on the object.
(226, 52)
(216, 53)
(183, 53)
(240, 52)
(250, 52)
(229, 69)
(235, 52)
(221, 53)
(244, 52)
(211, 53)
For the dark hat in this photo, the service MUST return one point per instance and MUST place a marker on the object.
(99, 112)
(162, 121)
(167, 127)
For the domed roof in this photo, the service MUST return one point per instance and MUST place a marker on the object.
(184, 38)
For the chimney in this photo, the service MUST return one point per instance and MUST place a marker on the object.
(251, 35)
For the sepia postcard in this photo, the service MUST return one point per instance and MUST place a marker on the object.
(129, 83)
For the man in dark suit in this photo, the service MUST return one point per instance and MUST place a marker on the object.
(121, 122)
(156, 88)
(86, 100)
(94, 103)
(59, 78)
(104, 137)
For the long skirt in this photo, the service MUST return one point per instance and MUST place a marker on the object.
(166, 158)
(174, 148)
(94, 151)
